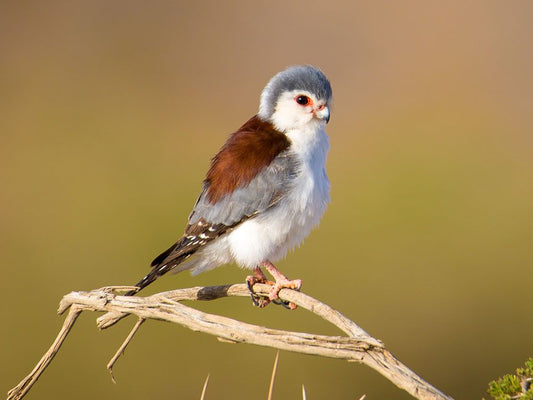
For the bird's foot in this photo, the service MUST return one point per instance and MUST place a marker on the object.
(273, 296)
(251, 280)
(281, 282)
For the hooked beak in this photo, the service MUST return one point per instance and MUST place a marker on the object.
(322, 112)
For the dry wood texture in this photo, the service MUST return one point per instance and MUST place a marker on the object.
(356, 346)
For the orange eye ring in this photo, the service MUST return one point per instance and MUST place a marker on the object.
(303, 100)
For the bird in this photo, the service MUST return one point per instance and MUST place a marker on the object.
(265, 189)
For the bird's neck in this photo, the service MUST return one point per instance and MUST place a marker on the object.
(310, 142)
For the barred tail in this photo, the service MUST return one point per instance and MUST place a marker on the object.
(163, 263)
(149, 278)
(169, 259)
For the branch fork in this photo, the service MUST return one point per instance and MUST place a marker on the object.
(356, 345)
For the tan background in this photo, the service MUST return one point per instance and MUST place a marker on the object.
(110, 112)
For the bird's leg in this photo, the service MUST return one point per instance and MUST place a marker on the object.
(281, 281)
(251, 280)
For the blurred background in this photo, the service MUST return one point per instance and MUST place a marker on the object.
(110, 112)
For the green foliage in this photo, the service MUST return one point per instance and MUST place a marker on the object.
(528, 370)
(517, 386)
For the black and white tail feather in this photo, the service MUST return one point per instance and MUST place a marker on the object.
(196, 236)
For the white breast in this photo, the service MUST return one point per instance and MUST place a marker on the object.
(271, 235)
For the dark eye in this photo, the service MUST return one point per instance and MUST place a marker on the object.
(303, 100)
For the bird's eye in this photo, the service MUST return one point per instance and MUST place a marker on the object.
(303, 100)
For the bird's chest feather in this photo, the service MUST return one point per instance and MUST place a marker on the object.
(307, 200)
(271, 234)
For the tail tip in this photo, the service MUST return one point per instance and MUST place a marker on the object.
(133, 291)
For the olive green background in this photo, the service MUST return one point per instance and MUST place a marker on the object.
(111, 110)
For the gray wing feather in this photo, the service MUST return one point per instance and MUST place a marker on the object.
(264, 191)
(208, 221)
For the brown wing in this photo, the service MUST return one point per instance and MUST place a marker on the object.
(247, 176)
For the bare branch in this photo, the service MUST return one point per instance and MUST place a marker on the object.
(19, 391)
(358, 346)
(121, 349)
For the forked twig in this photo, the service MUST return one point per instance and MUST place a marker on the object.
(357, 346)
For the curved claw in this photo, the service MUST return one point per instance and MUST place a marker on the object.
(286, 304)
(257, 300)
(281, 281)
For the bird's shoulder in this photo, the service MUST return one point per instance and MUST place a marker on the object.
(250, 174)
(245, 154)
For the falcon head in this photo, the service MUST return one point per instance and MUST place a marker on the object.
(295, 98)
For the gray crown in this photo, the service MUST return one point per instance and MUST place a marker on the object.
(298, 77)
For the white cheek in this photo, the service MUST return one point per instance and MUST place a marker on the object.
(290, 115)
